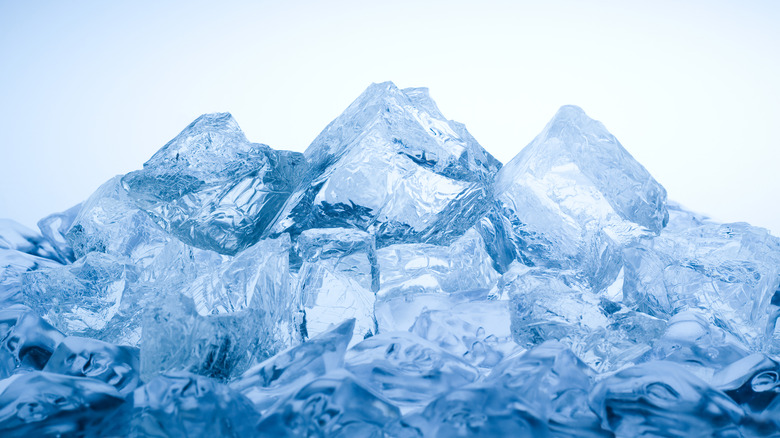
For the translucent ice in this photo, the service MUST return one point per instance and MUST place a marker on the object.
(16, 236)
(662, 399)
(54, 227)
(727, 272)
(571, 198)
(335, 405)
(212, 188)
(182, 404)
(419, 277)
(557, 383)
(754, 383)
(338, 279)
(27, 340)
(392, 164)
(45, 404)
(297, 366)
(406, 369)
(117, 365)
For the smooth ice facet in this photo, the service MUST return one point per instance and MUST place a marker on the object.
(338, 279)
(27, 341)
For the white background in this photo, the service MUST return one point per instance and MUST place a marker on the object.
(89, 90)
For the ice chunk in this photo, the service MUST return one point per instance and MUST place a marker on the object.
(45, 404)
(182, 404)
(419, 277)
(406, 369)
(753, 382)
(176, 338)
(116, 365)
(109, 222)
(335, 405)
(338, 279)
(27, 340)
(13, 265)
(393, 165)
(727, 272)
(291, 369)
(54, 227)
(571, 198)
(477, 332)
(556, 383)
(212, 188)
(16, 236)
(480, 411)
(663, 399)
(84, 298)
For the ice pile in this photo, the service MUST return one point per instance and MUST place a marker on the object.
(393, 280)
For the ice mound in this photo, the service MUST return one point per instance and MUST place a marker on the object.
(394, 280)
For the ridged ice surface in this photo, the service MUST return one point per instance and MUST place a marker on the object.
(392, 281)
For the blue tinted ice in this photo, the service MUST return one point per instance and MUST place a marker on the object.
(182, 404)
(27, 340)
(54, 227)
(212, 188)
(335, 405)
(754, 383)
(45, 404)
(571, 198)
(392, 164)
(663, 399)
(16, 236)
(338, 279)
(406, 369)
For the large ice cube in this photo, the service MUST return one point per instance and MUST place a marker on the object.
(392, 164)
(117, 365)
(663, 399)
(419, 277)
(265, 383)
(338, 279)
(727, 272)
(477, 331)
(45, 404)
(187, 405)
(212, 188)
(84, 298)
(406, 369)
(335, 405)
(571, 199)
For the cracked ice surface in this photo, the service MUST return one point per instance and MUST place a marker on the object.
(392, 280)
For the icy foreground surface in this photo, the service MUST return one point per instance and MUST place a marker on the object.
(392, 280)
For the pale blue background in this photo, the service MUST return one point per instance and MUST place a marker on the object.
(692, 89)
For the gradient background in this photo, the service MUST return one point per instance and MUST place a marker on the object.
(89, 90)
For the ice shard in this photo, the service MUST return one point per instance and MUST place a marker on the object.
(338, 279)
(393, 165)
(571, 199)
(212, 188)
(16, 236)
(54, 227)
